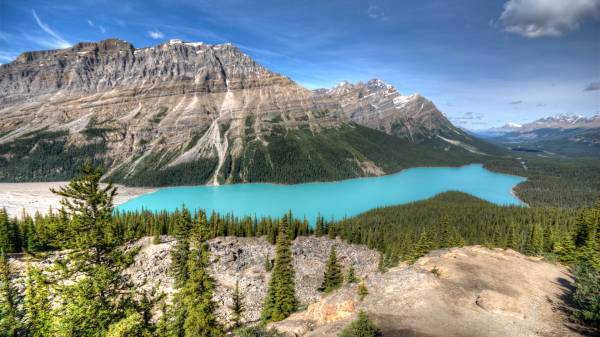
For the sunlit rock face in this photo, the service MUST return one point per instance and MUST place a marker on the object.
(181, 102)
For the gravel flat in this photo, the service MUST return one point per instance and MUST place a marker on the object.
(32, 197)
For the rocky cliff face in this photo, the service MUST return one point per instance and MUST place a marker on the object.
(243, 260)
(179, 103)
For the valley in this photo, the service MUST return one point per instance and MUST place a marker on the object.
(248, 204)
(564, 135)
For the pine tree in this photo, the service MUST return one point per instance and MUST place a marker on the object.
(332, 278)
(350, 276)
(238, 305)
(9, 321)
(582, 229)
(101, 296)
(361, 327)
(130, 326)
(281, 296)
(319, 227)
(156, 238)
(8, 233)
(535, 242)
(422, 246)
(181, 250)
(362, 291)
(193, 310)
(589, 252)
(33, 243)
(91, 206)
(38, 312)
(268, 264)
(564, 250)
(200, 319)
(381, 266)
(456, 240)
(445, 233)
(587, 292)
(512, 239)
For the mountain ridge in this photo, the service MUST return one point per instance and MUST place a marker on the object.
(563, 134)
(182, 107)
(559, 121)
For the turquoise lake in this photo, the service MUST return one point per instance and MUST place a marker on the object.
(334, 199)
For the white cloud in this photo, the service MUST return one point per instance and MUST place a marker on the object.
(102, 29)
(376, 13)
(594, 86)
(55, 42)
(156, 34)
(90, 22)
(547, 18)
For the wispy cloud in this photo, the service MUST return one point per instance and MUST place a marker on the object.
(469, 118)
(515, 102)
(4, 36)
(546, 18)
(100, 27)
(55, 40)
(156, 34)
(6, 57)
(593, 86)
(376, 13)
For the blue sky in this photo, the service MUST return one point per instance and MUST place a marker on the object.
(483, 63)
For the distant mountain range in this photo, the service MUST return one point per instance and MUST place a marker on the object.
(193, 113)
(565, 134)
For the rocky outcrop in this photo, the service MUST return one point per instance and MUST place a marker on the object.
(243, 260)
(470, 291)
(473, 291)
(179, 103)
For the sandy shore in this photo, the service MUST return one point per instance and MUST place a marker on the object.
(32, 197)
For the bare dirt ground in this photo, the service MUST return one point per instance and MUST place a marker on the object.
(473, 292)
(32, 197)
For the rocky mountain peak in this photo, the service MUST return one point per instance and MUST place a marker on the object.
(185, 102)
(564, 121)
(103, 45)
(377, 84)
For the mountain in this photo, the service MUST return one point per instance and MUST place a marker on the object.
(190, 113)
(564, 134)
(564, 121)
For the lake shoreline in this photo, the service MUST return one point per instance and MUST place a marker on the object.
(332, 181)
(335, 199)
(35, 197)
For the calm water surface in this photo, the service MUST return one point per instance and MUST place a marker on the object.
(334, 199)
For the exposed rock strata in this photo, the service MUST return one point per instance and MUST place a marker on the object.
(179, 103)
